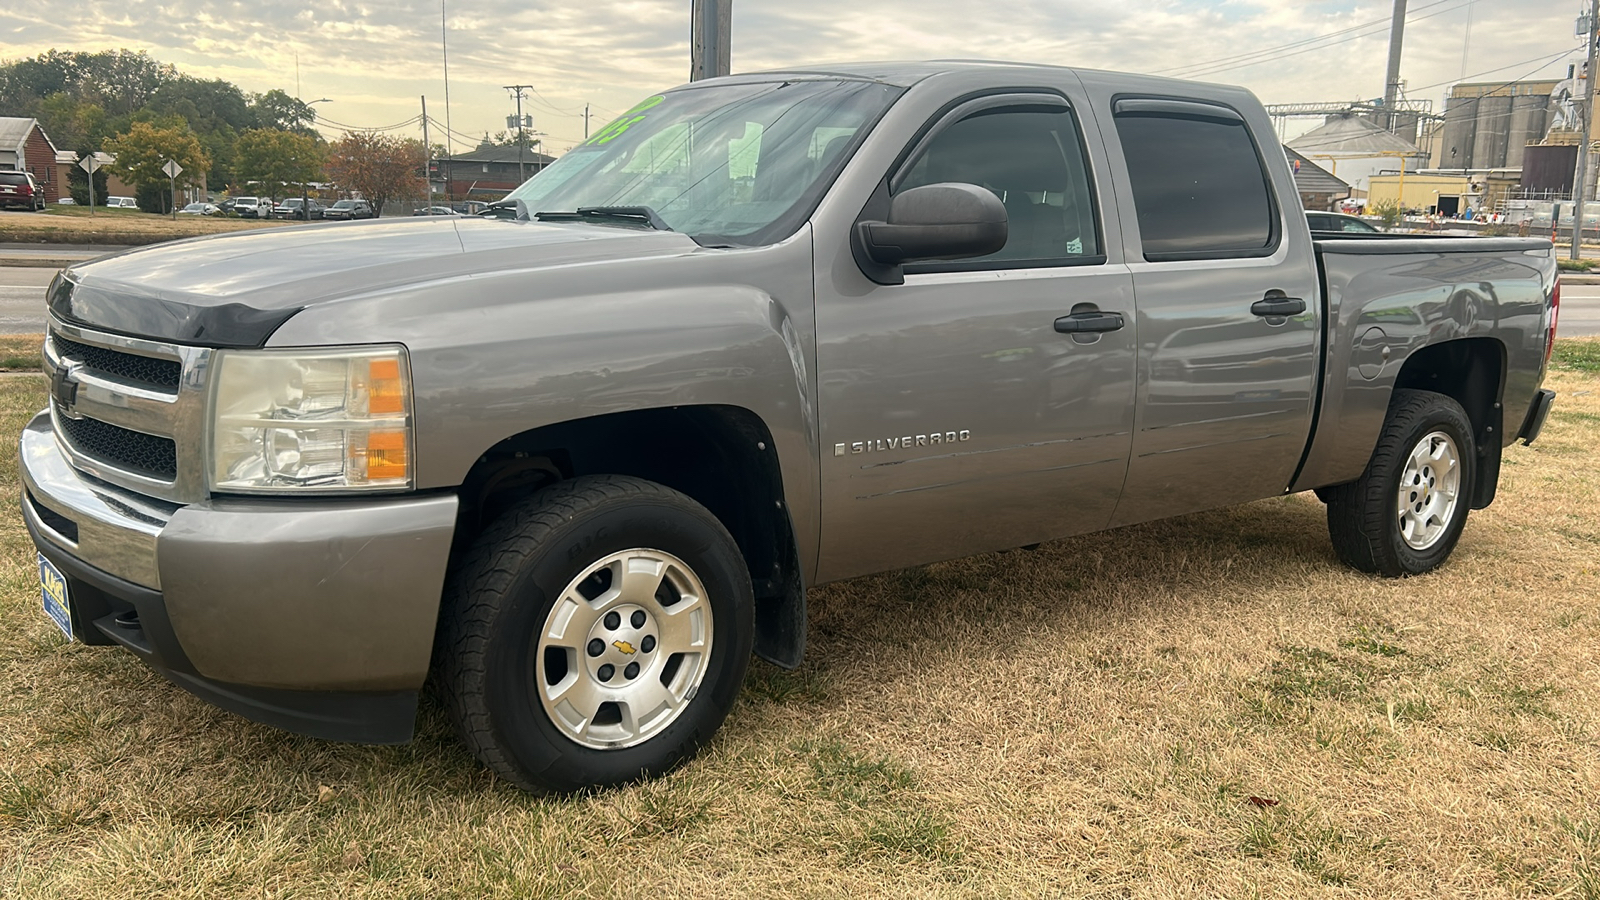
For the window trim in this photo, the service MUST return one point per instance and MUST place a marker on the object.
(1157, 106)
(1045, 100)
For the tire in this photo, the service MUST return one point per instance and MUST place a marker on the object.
(1375, 528)
(543, 712)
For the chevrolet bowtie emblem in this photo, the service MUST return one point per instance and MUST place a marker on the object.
(624, 646)
(64, 387)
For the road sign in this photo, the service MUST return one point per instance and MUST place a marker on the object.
(89, 164)
(172, 169)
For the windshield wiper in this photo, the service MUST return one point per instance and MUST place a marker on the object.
(505, 209)
(632, 215)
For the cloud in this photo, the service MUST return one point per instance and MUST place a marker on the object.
(376, 58)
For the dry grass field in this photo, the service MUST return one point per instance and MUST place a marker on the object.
(74, 225)
(1204, 707)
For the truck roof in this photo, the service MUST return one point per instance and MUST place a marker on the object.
(909, 72)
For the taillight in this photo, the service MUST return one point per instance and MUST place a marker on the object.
(1555, 312)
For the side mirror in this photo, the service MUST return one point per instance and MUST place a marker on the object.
(937, 221)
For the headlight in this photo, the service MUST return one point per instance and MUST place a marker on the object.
(299, 420)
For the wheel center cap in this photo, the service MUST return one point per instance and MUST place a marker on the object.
(621, 644)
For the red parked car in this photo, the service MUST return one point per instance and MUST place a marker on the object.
(18, 189)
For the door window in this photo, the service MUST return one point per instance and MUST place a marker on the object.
(1033, 161)
(1199, 187)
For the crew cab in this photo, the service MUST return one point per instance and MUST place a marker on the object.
(582, 458)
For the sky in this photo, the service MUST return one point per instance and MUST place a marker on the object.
(375, 59)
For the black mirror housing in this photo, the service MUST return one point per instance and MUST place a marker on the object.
(937, 221)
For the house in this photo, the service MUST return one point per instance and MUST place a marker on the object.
(1319, 189)
(24, 147)
(487, 171)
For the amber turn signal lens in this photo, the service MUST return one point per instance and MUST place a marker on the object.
(385, 391)
(386, 455)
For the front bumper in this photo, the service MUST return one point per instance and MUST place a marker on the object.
(316, 616)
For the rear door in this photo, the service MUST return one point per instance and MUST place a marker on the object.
(1226, 297)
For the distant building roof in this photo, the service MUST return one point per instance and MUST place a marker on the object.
(1350, 136)
(530, 156)
(14, 132)
(1310, 178)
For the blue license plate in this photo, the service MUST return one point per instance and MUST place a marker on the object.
(53, 586)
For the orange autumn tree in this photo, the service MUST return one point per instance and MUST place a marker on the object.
(378, 167)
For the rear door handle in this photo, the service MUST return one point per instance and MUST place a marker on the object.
(1089, 322)
(1278, 306)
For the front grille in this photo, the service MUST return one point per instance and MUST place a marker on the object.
(146, 454)
(163, 374)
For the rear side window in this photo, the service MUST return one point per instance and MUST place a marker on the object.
(1199, 187)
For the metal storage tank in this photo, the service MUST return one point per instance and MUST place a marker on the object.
(1460, 130)
(1494, 124)
(1549, 168)
(1528, 115)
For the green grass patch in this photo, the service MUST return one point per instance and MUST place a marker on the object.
(20, 352)
(1577, 355)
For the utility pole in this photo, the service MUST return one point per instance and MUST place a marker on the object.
(1580, 178)
(427, 152)
(586, 122)
(1391, 80)
(710, 38)
(516, 91)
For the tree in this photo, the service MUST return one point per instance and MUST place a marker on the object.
(278, 158)
(381, 168)
(146, 147)
(278, 110)
(1388, 212)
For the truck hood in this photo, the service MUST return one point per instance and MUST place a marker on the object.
(234, 290)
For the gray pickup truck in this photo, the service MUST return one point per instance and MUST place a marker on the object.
(580, 458)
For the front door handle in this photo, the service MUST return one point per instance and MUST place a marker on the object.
(1089, 322)
(1278, 306)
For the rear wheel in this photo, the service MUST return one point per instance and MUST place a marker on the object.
(597, 633)
(1405, 513)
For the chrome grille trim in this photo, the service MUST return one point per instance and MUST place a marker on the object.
(136, 406)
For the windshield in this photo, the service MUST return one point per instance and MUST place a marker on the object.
(13, 178)
(739, 163)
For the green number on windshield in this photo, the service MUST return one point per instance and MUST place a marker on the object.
(625, 121)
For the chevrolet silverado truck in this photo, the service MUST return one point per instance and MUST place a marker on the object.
(580, 458)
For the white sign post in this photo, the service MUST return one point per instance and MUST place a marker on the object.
(173, 170)
(89, 164)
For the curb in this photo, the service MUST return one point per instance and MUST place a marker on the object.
(1577, 278)
(40, 262)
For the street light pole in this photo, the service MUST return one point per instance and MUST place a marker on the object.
(305, 199)
(1581, 177)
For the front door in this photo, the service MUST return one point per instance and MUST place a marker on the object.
(955, 417)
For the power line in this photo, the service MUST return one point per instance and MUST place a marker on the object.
(1292, 44)
(1214, 70)
(395, 127)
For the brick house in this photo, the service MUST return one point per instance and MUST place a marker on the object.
(486, 171)
(24, 147)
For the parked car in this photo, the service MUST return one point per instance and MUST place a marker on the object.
(1332, 221)
(199, 209)
(350, 209)
(18, 190)
(121, 203)
(435, 211)
(582, 462)
(251, 207)
(297, 208)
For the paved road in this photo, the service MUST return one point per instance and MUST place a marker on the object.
(1580, 310)
(22, 303)
(22, 299)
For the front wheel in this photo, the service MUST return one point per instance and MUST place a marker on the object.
(1405, 513)
(597, 633)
